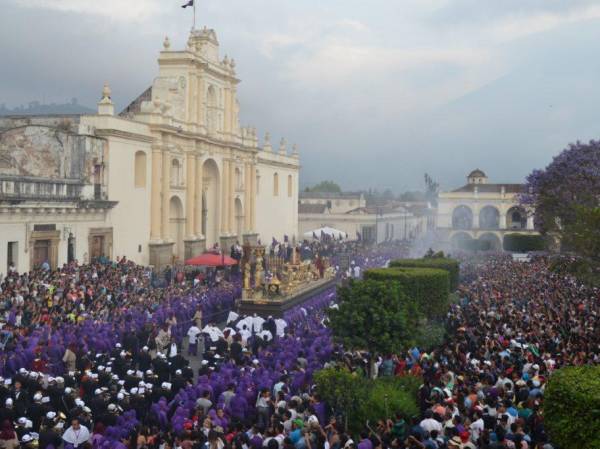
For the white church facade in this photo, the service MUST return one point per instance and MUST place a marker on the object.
(171, 175)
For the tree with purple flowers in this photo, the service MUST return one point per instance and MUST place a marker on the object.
(569, 182)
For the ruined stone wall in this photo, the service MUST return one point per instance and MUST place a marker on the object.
(48, 147)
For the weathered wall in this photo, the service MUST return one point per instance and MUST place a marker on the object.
(48, 148)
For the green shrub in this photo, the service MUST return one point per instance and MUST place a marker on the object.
(427, 286)
(375, 316)
(359, 399)
(572, 407)
(408, 383)
(523, 243)
(452, 266)
(430, 336)
(344, 392)
(385, 399)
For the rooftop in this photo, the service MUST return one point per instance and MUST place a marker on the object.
(311, 208)
(492, 188)
(477, 173)
(330, 195)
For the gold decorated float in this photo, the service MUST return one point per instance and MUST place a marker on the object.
(272, 285)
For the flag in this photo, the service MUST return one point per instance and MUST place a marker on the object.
(189, 3)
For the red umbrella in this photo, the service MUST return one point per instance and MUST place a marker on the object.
(211, 260)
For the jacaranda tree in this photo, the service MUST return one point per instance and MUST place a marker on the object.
(572, 179)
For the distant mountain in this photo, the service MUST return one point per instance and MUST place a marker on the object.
(37, 108)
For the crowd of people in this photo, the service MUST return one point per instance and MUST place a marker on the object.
(94, 357)
(483, 388)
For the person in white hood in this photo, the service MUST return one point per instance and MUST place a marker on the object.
(77, 435)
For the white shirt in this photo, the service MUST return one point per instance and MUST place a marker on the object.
(476, 429)
(193, 333)
(430, 424)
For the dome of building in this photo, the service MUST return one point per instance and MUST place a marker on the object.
(477, 173)
(477, 177)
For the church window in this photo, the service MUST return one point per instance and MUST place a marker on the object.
(276, 184)
(175, 172)
(140, 169)
(212, 104)
(289, 187)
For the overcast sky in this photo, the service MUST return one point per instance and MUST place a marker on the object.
(374, 92)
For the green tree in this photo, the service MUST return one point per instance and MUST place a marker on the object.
(412, 196)
(572, 407)
(344, 392)
(359, 399)
(375, 315)
(386, 398)
(325, 186)
(583, 235)
(432, 189)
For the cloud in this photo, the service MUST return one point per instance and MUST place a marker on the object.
(117, 10)
(335, 62)
(516, 27)
(348, 80)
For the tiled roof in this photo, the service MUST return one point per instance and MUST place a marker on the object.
(330, 195)
(311, 208)
(134, 106)
(492, 188)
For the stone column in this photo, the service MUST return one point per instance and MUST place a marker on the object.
(198, 198)
(502, 220)
(193, 99)
(166, 175)
(201, 108)
(190, 196)
(224, 197)
(476, 219)
(231, 214)
(155, 185)
(227, 108)
(253, 198)
(247, 200)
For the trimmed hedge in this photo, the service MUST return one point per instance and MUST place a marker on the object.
(450, 265)
(572, 407)
(430, 288)
(523, 243)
